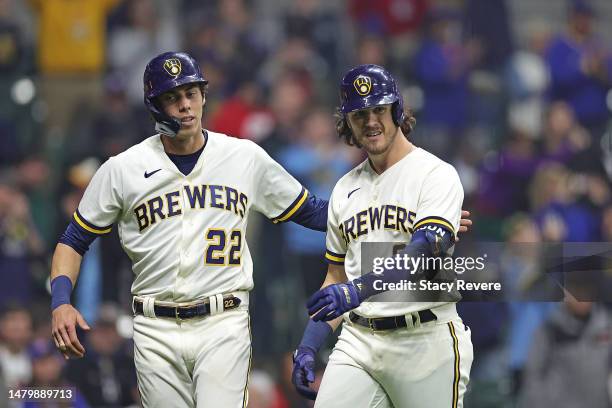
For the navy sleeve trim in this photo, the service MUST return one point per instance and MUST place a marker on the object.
(334, 258)
(77, 237)
(438, 221)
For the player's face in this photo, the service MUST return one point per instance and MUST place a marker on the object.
(185, 103)
(373, 128)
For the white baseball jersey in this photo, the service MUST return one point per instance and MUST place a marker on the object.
(418, 190)
(185, 234)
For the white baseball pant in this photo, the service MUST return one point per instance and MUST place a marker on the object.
(203, 361)
(421, 367)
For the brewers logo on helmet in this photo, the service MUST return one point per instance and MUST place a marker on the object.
(173, 66)
(363, 85)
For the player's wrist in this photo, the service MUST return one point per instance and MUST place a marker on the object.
(314, 336)
(303, 350)
(61, 288)
(360, 289)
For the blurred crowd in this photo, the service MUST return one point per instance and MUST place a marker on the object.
(526, 122)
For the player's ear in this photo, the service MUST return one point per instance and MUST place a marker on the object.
(350, 135)
(203, 93)
(348, 123)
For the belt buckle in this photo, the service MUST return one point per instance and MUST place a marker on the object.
(176, 314)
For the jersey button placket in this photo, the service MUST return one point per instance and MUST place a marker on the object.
(183, 252)
(375, 189)
(374, 193)
(185, 228)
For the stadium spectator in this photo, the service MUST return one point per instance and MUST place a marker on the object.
(503, 177)
(71, 57)
(144, 34)
(371, 50)
(15, 335)
(563, 138)
(34, 179)
(568, 361)
(289, 99)
(488, 23)
(20, 245)
(442, 67)
(240, 48)
(398, 21)
(297, 57)
(106, 375)
(388, 17)
(15, 60)
(580, 64)
(560, 217)
(522, 280)
(308, 19)
(47, 366)
(243, 114)
(318, 162)
(114, 127)
(527, 80)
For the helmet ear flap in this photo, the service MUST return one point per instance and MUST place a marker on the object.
(397, 112)
(163, 123)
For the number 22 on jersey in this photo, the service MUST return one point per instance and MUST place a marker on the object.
(223, 247)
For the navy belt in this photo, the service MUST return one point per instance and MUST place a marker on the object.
(187, 312)
(391, 322)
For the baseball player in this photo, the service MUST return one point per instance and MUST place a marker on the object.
(181, 201)
(389, 354)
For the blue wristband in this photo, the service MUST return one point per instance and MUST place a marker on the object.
(315, 334)
(61, 287)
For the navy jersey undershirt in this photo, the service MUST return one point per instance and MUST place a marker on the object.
(185, 162)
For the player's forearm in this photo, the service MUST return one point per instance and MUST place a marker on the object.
(335, 323)
(66, 261)
(335, 274)
(424, 244)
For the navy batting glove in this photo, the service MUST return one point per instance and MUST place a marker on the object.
(303, 372)
(333, 301)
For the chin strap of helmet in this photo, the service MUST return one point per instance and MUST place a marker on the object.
(165, 124)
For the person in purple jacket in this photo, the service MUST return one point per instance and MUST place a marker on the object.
(581, 68)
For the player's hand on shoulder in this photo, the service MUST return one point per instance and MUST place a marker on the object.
(333, 301)
(65, 319)
(304, 372)
(465, 223)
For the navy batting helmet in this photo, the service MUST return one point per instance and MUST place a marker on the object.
(370, 85)
(164, 72)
